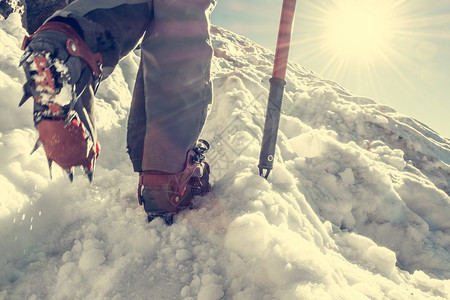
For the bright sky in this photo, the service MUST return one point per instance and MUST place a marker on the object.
(394, 52)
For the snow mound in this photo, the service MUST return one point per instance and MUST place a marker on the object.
(356, 207)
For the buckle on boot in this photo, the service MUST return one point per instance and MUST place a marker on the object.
(177, 182)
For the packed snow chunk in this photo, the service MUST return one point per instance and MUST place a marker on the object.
(233, 96)
(392, 157)
(115, 91)
(383, 259)
(13, 27)
(11, 199)
(129, 66)
(91, 257)
(113, 100)
(210, 292)
(347, 177)
(10, 95)
(211, 287)
(183, 254)
(18, 164)
(11, 37)
(282, 178)
(428, 202)
(69, 277)
(106, 117)
(309, 144)
(278, 256)
(249, 184)
(292, 126)
(379, 119)
(436, 289)
(367, 253)
(371, 291)
(247, 234)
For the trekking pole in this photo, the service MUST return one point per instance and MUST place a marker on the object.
(277, 84)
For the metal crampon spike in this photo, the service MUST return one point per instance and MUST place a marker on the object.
(70, 116)
(24, 58)
(26, 95)
(90, 176)
(50, 162)
(50, 63)
(168, 218)
(72, 111)
(28, 92)
(36, 146)
(90, 146)
(84, 117)
(90, 172)
(70, 172)
(74, 99)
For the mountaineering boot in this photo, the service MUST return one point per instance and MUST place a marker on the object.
(164, 195)
(61, 73)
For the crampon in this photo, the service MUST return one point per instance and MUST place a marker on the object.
(164, 195)
(64, 125)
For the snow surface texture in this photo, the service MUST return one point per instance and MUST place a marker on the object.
(357, 206)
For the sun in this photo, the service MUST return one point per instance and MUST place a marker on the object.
(392, 51)
(360, 42)
(358, 30)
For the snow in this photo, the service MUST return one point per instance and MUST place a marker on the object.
(357, 206)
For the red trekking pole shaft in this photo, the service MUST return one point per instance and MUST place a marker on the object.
(277, 84)
(284, 39)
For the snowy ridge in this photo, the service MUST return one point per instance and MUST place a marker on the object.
(357, 205)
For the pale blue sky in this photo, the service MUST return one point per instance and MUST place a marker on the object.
(412, 74)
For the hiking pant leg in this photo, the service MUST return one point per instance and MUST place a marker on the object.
(137, 121)
(176, 57)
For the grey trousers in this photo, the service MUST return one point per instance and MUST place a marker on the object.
(173, 86)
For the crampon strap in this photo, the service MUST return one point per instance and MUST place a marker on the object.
(178, 182)
(75, 45)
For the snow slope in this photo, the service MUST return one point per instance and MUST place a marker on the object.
(357, 206)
